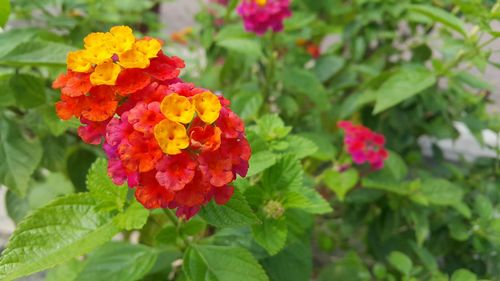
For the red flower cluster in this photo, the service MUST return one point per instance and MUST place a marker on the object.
(179, 146)
(364, 145)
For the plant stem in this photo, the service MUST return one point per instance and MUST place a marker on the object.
(177, 223)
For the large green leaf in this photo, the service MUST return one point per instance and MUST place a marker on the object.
(271, 234)
(441, 192)
(300, 146)
(236, 212)
(68, 227)
(441, 16)
(260, 161)
(28, 90)
(403, 84)
(118, 261)
(286, 174)
(20, 157)
(109, 195)
(401, 262)
(37, 53)
(4, 11)
(220, 263)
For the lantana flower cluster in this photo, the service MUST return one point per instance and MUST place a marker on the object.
(259, 16)
(178, 145)
(364, 145)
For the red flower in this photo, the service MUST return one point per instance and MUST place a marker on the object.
(175, 171)
(93, 132)
(73, 84)
(364, 145)
(164, 67)
(206, 138)
(151, 194)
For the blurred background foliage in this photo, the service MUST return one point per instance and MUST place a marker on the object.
(404, 68)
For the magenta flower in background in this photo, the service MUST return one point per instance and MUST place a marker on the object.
(364, 145)
(261, 15)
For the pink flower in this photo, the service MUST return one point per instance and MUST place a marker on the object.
(262, 15)
(364, 145)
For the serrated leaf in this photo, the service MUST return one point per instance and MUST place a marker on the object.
(286, 174)
(341, 182)
(271, 127)
(300, 147)
(271, 234)
(260, 161)
(108, 195)
(401, 262)
(441, 16)
(135, 217)
(220, 263)
(236, 212)
(68, 227)
(403, 84)
(20, 157)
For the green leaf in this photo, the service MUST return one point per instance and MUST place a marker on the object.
(260, 161)
(286, 174)
(68, 227)
(234, 213)
(244, 46)
(401, 262)
(118, 261)
(53, 186)
(115, 261)
(220, 263)
(29, 90)
(403, 84)
(328, 66)
(193, 227)
(441, 192)
(20, 157)
(7, 96)
(396, 166)
(305, 83)
(300, 147)
(463, 275)
(483, 206)
(4, 11)
(441, 16)
(350, 268)
(17, 207)
(341, 183)
(271, 234)
(271, 127)
(108, 195)
(294, 263)
(135, 217)
(37, 53)
(307, 199)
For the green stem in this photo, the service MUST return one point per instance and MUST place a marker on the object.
(177, 223)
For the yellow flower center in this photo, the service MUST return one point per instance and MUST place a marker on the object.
(261, 2)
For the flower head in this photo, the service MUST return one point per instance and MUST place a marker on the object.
(261, 15)
(364, 145)
(179, 146)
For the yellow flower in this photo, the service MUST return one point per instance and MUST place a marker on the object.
(149, 47)
(133, 59)
(171, 136)
(79, 61)
(207, 106)
(177, 108)
(105, 74)
(123, 39)
(261, 2)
